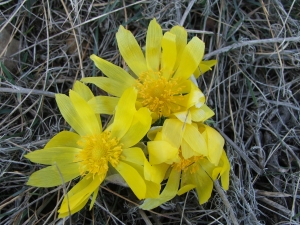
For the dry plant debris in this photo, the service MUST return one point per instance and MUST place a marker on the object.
(254, 90)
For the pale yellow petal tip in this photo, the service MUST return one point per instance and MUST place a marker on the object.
(153, 21)
(121, 29)
(178, 28)
(94, 57)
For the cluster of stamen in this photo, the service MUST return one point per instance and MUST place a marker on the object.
(187, 164)
(97, 151)
(157, 93)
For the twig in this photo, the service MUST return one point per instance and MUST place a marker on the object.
(28, 91)
(252, 42)
(187, 11)
(226, 202)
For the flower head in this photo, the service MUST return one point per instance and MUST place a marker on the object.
(90, 152)
(194, 155)
(161, 75)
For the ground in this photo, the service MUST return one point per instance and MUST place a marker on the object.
(253, 89)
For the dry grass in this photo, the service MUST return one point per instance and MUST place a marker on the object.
(254, 91)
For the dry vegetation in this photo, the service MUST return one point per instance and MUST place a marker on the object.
(254, 90)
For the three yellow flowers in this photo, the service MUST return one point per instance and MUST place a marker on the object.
(156, 87)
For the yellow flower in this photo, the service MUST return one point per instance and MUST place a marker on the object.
(161, 76)
(91, 152)
(193, 153)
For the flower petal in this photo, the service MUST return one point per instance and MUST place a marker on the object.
(94, 197)
(225, 170)
(153, 131)
(215, 143)
(153, 189)
(133, 179)
(64, 139)
(131, 51)
(203, 181)
(83, 91)
(172, 132)
(124, 114)
(79, 195)
(204, 66)
(76, 208)
(88, 120)
(201, 114)
(181, 40)
(194, 143)
(169, 54)
(162, 152)
(185, 189)
(133, 155)
(168, 193)
(138, 129)
(54, 175)
(187, 181)
(191, 57)
(109, 85)
(114, 72)
(153, 45)
(50, 156)
(104, 104)
(78, 118)
(184, 116)
(155, 173)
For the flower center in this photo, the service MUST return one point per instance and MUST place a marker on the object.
(97, 151)
(187, 164)
(158, 93)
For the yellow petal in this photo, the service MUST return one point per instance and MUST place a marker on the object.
(225, 171)
(138, 129)
(79, 193)
(201, 114)
(94, 197)
(187, 180)
(75, 116)
(193, 97)
(114, 72)
(125, 112)
(131, 51)
(172, 131)
(191, 57)
(203, 181)
(88, 120)
(153, 189)
(54, 175)
(184, 116)
(215, 143)
(204, 66)
(133, 179)
(75, 209)
(83, 91)
(50, 156)
(64, 139)
(153, 131)
(168, 193)
(181, 40)
(161, 152)
(169, 54)
(155, 173)
(186, 188)
(153, 45)
(133, 155)
(109, 85)
(104, 104)
(194, 143)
